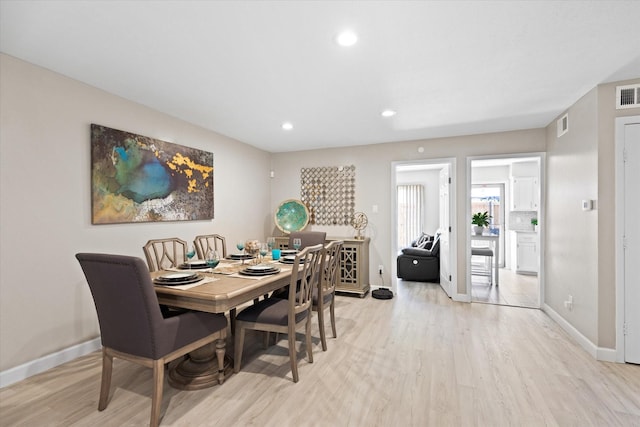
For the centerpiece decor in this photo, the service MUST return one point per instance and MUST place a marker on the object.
(252, 247)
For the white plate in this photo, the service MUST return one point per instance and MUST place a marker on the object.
(260, 267)
(177, 276)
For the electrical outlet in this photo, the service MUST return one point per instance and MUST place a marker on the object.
(380, 269)
(569, 303)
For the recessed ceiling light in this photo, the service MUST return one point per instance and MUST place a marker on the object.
(347, 38)
(388, 113)
(287, 126)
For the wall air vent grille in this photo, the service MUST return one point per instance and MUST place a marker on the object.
(628, 96)
(563, 124)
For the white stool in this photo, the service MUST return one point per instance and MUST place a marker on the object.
(488, 271)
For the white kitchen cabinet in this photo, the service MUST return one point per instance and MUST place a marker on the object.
(524, 195)
(527, 253)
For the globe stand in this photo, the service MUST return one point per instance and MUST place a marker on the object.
(359, 221)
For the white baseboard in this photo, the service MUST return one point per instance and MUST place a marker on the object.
(461, 297)
(598, 353)
(24, 371)
(608, 355)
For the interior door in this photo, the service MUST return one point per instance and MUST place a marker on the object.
(632, 246)
(445, 248)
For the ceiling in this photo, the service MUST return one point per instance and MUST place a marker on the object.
(242, 68)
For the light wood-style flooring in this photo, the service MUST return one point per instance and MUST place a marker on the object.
(518, 290)
(419, 359)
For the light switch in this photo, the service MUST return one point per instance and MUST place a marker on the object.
(374, 208)
(587, 205)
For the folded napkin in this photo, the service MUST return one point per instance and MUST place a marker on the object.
(242, 276)
(228, 268)
(194, 270)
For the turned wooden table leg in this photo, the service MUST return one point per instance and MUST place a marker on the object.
(220, 350)
(203, 368)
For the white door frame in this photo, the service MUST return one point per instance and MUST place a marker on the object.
(541, 216)
(621, 122)
(453, 267)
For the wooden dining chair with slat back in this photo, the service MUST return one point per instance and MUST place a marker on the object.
(324, 295)
(133, 328)
(285, 315)
(206, 242)
(162, 254)
(165, 253)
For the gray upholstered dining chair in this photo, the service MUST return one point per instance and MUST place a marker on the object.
(165, 253)
(133, 328)
(205, 242)
(324, 295)
(307, 238)
(285, 315)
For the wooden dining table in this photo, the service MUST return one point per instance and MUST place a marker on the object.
(222, 295)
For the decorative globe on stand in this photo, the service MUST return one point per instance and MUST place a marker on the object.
(292, 215)
(359, 221)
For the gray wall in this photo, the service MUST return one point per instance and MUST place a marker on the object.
(580, 256)
(571, 261)
(45, 305)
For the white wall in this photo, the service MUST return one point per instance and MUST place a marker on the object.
(45, 210)
(490, 174)
(430, 179)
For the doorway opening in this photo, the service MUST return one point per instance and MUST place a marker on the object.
(507, 267)
(490, 198)
(424, 201)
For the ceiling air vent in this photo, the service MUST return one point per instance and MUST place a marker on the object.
(627, 96)
(563, 124)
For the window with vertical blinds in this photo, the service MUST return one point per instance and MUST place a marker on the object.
(410, 213)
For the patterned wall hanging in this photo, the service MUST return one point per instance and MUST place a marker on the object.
(329, 193)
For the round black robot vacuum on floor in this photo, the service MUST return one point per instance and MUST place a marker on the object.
(382, 293)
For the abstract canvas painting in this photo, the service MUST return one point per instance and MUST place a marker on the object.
(135, 178)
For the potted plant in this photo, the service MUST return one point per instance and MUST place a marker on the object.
(534, 223)
(480, 220)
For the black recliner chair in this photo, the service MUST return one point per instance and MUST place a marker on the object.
(420, 264)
